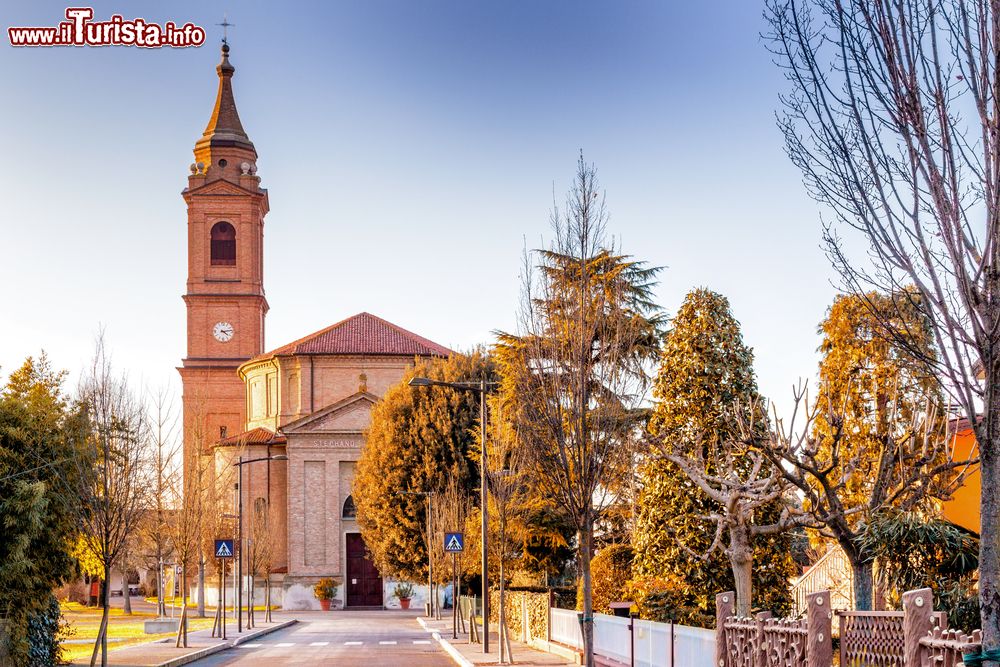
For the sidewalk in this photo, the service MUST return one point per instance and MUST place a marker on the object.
(467, 655)
(162, 653)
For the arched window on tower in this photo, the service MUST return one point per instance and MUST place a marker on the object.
(350, 511)
(223, 244)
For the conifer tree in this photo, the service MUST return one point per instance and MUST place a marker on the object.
(41, 434)
(575, 371)
(418, 440)
(705, 376)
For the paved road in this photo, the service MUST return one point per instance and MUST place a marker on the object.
(340, 638)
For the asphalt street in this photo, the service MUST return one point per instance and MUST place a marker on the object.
(340, 638)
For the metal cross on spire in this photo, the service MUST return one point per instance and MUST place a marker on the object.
(225, 28)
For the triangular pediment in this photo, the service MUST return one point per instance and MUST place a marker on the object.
(221, 187)
(348, 415)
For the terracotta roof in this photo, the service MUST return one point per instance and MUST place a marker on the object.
(255, 436)
(362, 334)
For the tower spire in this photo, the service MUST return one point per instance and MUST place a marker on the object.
(224, 131)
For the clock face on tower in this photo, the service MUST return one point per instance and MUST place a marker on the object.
(223, 332)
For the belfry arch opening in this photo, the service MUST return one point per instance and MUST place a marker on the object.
(223, 244)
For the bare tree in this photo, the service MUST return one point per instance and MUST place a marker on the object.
(113, 474)
(259, 554)
(893, 119)
(743, 483)
(165, 476)
(576, 370)
(187, 534)
(508, 490)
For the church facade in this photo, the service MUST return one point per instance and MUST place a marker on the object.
(299, 411)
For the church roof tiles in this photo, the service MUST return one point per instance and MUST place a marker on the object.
(255, 436)
(362, 334)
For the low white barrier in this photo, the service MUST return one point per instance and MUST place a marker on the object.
(566, 627)
(654, 644)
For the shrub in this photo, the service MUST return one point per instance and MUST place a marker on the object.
(325, 588)
(403, 590)
(610, 569)
(666, 599)
(43, 635)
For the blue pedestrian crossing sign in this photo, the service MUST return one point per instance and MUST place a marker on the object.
(454, 542)
(223, 548)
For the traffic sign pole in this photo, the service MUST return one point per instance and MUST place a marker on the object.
(454, 595)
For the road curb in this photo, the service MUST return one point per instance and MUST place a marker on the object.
(223, 646)
(452, 652)
(262, 632)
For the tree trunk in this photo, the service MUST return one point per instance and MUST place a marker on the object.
(586, 545)
(201, 586)
(863, 585)
(250, 593)
(500, 616)
(267, 598)
(127, 604)
(101, 643)
(741, 561)
(182, 638)
(989, 523)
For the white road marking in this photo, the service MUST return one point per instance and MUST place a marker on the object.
(250, 645)
(285, 644)
(320, 644)
(421, 641)
(353, 643)
(388, 643)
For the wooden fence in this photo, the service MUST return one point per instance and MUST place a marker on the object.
(917, 636)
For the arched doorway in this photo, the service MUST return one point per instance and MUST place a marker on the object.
(364, 583)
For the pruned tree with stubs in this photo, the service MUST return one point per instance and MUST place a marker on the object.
(892, 116)
(575, 371)
(742, 484)
(913, 467)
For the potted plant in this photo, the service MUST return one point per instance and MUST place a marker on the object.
(403, 591)
(325, 590)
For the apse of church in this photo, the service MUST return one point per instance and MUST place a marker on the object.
(309, 400)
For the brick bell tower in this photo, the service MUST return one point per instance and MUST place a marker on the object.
(225, 284)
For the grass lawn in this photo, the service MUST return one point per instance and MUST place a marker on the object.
(85, 621)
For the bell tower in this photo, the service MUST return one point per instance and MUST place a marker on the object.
(225, 282)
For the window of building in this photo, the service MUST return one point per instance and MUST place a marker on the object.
(223, 244)
(350, 511)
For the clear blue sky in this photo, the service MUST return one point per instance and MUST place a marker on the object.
(409, 148)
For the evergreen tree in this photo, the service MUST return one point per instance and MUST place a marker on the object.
(418, 440)
(574, 373)
(706, 375)
(40, 435)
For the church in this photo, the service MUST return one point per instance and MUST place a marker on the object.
(301, 408)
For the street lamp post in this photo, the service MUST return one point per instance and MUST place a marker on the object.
(481, 388)
(239, 531)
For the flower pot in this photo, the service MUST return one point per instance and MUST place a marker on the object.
(324, 605)
(404, 603)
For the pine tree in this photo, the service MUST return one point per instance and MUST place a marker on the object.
(706, 373)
